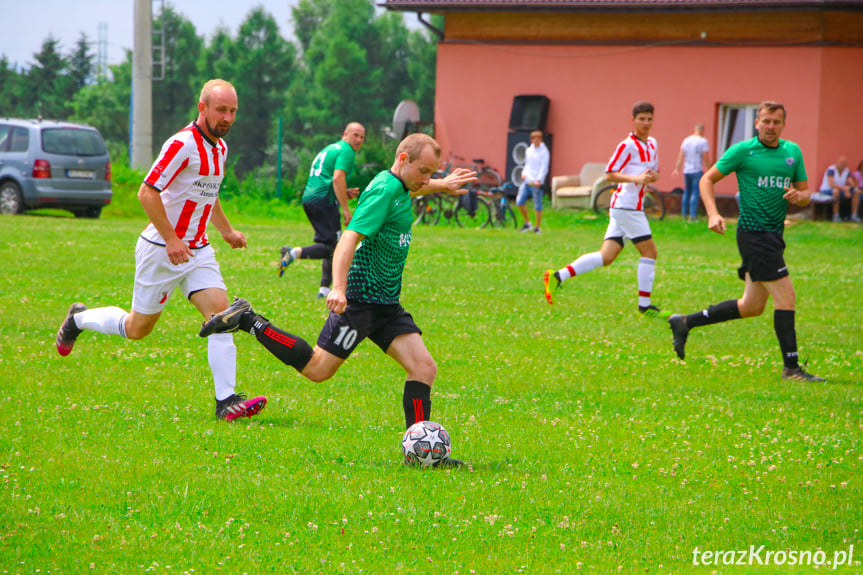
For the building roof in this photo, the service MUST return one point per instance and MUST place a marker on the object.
(613, 5)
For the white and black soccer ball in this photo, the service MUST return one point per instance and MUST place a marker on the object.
(426, 443)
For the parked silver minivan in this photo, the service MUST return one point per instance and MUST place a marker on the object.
(50, 164)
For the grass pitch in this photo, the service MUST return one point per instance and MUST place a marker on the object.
(592, 448)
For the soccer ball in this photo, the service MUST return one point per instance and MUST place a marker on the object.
(426, 443)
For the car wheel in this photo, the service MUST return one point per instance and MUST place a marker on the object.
(89, 213)
(11, 201)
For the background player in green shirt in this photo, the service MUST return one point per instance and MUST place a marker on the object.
(367, 271)
(770, 175)
(325, 201)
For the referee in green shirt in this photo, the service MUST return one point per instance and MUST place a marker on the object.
(770, 175)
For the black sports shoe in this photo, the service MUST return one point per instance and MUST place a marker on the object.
(226, 321)
(797, 374)
(237, 406)
(69, 332)
(451, 462)
(680, 331)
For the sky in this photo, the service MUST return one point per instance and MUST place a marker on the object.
(27, 23)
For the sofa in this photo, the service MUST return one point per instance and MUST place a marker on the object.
(575, 191)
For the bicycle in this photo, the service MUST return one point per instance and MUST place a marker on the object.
(653, 202)
(488, 178)
(481, 208)
(429, 209)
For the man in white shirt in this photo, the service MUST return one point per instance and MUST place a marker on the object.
(534, 172)
(180, 195)
(695, 161)
(837, 185)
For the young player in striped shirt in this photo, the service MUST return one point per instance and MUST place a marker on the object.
(181, 196)
(632, 167)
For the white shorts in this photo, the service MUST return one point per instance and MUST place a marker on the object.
(156, 277)
(627, 224)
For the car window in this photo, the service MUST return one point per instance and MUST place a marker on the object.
(20, 140)
(73, 142)
(4, 136)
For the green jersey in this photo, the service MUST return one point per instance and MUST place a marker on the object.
(762, 176)
(384, 217)
(338, 156)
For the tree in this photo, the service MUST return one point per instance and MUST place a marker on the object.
(308, 16)
(45, 88)
(80, 64)
(175, 97)
(105, 104)
(263, 63)
(10, 83)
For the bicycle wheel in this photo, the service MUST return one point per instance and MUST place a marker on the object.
(654, 204)
(488, 179)
(426, 210)
(448, 205)
(504, 216)
(473, 216)
(603, 199)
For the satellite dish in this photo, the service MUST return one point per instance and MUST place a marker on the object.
(405, 118)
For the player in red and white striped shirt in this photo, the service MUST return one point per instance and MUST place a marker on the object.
(632, 167)
(181, 196)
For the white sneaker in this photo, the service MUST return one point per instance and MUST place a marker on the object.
(836, 218)
(855, 218)
(323, 293)
(527, 227)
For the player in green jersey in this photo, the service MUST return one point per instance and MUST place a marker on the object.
(367, 276)
(770, 175)
(325, 201)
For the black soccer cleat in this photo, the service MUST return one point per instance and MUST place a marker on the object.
(237, 406)
(451, 462)
(680, 331)
(227, 321)
(797, 374)
(69, 331)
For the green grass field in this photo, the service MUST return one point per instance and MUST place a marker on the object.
(592, 448)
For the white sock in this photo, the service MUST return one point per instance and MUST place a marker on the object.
(222, 355)
(295, 253)
(646, 273)
(584, 264)
(108, 320)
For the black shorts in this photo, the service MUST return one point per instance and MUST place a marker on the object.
(761, 254)
(326, 219)
(380, 323)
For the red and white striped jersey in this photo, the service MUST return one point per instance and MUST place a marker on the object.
(188, 174)
(631, 158)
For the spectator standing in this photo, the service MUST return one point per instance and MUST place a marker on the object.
(694, 158)
(536, 160)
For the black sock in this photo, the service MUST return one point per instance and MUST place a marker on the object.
(290, 349)
(783, 323)
(417, 402)
(724, 311)
(317, 252)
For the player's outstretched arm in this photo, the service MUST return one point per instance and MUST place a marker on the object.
(453, 184)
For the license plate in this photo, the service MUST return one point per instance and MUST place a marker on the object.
(81, 174)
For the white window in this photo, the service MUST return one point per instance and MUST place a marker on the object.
(736, 123)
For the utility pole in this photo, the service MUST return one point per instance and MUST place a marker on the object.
(142, 92)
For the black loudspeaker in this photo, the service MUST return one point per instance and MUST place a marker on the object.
(516, 146)
(528, 113)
